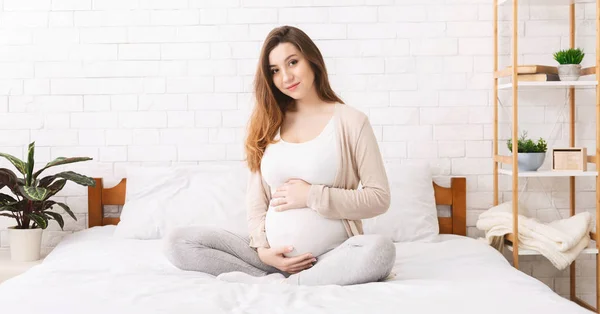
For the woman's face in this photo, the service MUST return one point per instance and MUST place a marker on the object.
(291, 72)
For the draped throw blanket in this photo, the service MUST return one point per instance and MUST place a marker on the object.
(560, 241)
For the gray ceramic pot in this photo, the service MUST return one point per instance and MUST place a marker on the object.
(530, 161)
(569, 72)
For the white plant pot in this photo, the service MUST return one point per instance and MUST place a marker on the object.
(569, 72)
(530, 161)
(25, 244)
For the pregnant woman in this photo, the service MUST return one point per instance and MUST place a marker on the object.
(307, 152)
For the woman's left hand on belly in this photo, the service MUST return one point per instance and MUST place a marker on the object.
(292, 194)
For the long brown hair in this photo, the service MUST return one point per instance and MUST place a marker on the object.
(271, 103)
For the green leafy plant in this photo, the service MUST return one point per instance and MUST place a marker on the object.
(569, 56)
(30, 205)
(526, 145)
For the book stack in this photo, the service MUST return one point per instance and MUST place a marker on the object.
(536, 73)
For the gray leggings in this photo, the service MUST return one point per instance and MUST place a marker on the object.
(360, 259)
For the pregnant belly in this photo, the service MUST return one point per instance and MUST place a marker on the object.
(305, 230)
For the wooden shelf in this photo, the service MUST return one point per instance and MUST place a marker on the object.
(589, 250)
(544, 2)
(552, 84)
(508, 159)
(550, 173)
(509, 239)
(539, 69)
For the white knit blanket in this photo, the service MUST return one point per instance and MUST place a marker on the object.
(560, 241)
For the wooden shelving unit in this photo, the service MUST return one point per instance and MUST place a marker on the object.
(498, 160)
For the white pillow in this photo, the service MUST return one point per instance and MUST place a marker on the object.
(159, 199)
(412, 215)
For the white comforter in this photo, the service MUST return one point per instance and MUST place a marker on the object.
(92, 272)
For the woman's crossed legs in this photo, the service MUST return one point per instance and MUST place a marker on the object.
(360, 259)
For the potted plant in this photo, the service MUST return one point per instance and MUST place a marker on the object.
(531, 154)
(569, 60)
(30, 206)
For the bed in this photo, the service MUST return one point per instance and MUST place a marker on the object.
(91, 271)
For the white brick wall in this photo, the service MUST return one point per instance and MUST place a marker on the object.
(161, 82)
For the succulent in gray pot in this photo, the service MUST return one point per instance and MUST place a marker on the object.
(30, 203)
(569, 60)
(530, 154)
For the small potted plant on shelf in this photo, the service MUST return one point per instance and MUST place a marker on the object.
(531, 155)
(30, 206)
(569, 60)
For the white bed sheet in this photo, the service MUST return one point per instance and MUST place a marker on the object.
(92, 272)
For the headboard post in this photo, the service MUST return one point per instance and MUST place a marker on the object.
(459, 205)
(95, 208)
(98, 196)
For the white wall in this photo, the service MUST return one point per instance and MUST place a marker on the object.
(164, 82)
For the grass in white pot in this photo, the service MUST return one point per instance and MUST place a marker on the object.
(569, 61)
(531, 154)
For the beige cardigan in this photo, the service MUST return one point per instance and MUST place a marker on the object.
(360, 161)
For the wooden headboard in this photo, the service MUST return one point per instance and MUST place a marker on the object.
(455, 196)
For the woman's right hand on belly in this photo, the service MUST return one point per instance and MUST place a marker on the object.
(291, 265)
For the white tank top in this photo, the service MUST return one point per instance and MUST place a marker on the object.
(316, 162)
